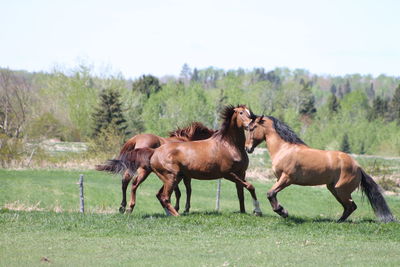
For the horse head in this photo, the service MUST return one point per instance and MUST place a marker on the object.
(255, 134)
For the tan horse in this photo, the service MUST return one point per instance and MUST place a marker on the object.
(195, 131)
(222, 155)
(293, 162)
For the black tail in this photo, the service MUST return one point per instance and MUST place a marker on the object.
(128, 160)
(375, 197)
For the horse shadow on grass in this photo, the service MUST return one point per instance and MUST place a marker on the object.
(163, 215)
(291, 220)
(301, 220)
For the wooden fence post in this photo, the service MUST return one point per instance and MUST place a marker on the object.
(82, 202)
(218, 195)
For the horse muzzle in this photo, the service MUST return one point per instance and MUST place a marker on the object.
(249, 149)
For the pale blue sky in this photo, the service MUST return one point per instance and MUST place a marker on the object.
(158, 37)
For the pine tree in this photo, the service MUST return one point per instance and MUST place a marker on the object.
(347, 88)
(379, 108)
(333, 89)
(333, 103)
(362, 148)
(195, 76)
(395, 105)
(371, 91)
(345, 146)
(340, 93)
(147, 84)
(109, 113)
(186, 73)
(307, 101)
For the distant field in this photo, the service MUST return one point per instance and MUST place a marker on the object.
(39, 223)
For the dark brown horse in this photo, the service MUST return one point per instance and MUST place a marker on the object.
(195, 131)
(293, 162)
(222, 155)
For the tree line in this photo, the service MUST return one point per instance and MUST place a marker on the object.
(356, 113)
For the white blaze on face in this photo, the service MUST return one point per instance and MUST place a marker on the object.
(248, 111)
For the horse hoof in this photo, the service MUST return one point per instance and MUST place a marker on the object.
(122, 210)
(129, 211)
(257, 213)
(284, 213)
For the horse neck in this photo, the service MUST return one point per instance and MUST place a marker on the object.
(273, 141)
(236, 136)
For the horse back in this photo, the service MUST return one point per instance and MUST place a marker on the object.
(308, 166)
(203, 159)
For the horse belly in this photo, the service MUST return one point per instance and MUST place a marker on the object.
(203, 171)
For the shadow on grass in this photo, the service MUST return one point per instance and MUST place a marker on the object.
(197, 213)
(302, 220)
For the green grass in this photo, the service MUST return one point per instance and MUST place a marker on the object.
(147, 237)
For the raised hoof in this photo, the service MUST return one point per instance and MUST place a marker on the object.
(122, 210)
(129, 210)
(282, 212)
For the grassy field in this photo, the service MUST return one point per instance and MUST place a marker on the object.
(39, 224)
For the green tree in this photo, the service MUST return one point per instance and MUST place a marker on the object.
(333, 89)
(147, 84)
(177, 105)
(333, 103)
(195, 76)
(379, 108)
(307, 100)
(371, 91)
(347, 88)
(395, 105)
(109, 113)
(345, 145)
(186, 73)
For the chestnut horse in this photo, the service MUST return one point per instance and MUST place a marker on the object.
(195, 131)
(221, 156)
(293, 162)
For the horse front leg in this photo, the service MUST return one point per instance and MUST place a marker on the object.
(240, 195)
(282, 182)
(164, 194)
(126, 178)
(240, 180)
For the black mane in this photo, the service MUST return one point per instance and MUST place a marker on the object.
(226, 115)
(285, 132)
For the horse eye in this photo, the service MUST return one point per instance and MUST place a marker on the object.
(241, 112)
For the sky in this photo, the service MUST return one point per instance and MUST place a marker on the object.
(157, 37)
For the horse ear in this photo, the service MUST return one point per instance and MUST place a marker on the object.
(261, 119)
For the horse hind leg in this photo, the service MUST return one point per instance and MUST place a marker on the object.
(141, 177)
(187, 181)
(343, 196)
(177, 197)
(126, 178)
